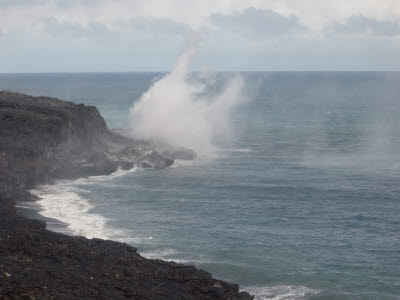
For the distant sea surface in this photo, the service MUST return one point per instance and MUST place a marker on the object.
(303, 204)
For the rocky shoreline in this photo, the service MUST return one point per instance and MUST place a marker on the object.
(43, 139)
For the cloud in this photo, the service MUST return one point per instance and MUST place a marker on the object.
(158, 26)
(315, 14)
(126, 35)
(138, 29)
(257, 23)
(6, 3)
(362, 25)
(68, 29)
(60, 3)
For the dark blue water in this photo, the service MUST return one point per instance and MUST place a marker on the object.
(304, 204)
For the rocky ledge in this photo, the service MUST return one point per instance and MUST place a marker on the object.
(43, 139)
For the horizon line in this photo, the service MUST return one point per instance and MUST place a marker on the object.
(199, 71)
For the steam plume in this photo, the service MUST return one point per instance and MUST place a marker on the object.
(181, 112)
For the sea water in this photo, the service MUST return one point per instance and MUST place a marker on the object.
(304, 203)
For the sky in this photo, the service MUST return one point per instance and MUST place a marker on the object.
(236, 35)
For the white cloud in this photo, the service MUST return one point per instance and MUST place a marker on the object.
(363, 25)
(316, 14)
(258, 23)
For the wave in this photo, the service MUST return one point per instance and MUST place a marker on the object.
(63, 201)
(181, 163)
(167, 254)
(101, 178)
(281, 292)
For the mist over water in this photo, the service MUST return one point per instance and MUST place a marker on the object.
(354, 126)
(181, 111)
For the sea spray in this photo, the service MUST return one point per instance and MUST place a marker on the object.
(179, 111)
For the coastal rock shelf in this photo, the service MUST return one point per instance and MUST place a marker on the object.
(42, 139)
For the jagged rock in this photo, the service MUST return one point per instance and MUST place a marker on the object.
(171, 151)
(154, 160)
(133, 153)
(38, 263)
(43, 136)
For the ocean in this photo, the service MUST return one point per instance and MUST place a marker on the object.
(303, 202)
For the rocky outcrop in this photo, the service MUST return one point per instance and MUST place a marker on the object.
(40, 264)
(45, 138)
(42, 139)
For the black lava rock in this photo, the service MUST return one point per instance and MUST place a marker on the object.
(42, 139)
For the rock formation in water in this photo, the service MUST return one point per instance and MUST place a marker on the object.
(42, 139)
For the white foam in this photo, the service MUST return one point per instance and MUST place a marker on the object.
(181, 163)
(281, 292)
(166, 254)
(159, 253)
(62, 201)
(101, 178)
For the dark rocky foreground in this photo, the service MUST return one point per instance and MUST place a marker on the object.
(42, 139)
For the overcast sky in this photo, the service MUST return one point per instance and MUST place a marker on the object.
(147, 35)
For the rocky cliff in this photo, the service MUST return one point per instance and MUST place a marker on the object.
(42, 139)
(45, 138)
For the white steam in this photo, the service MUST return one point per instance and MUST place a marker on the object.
(177, 111)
